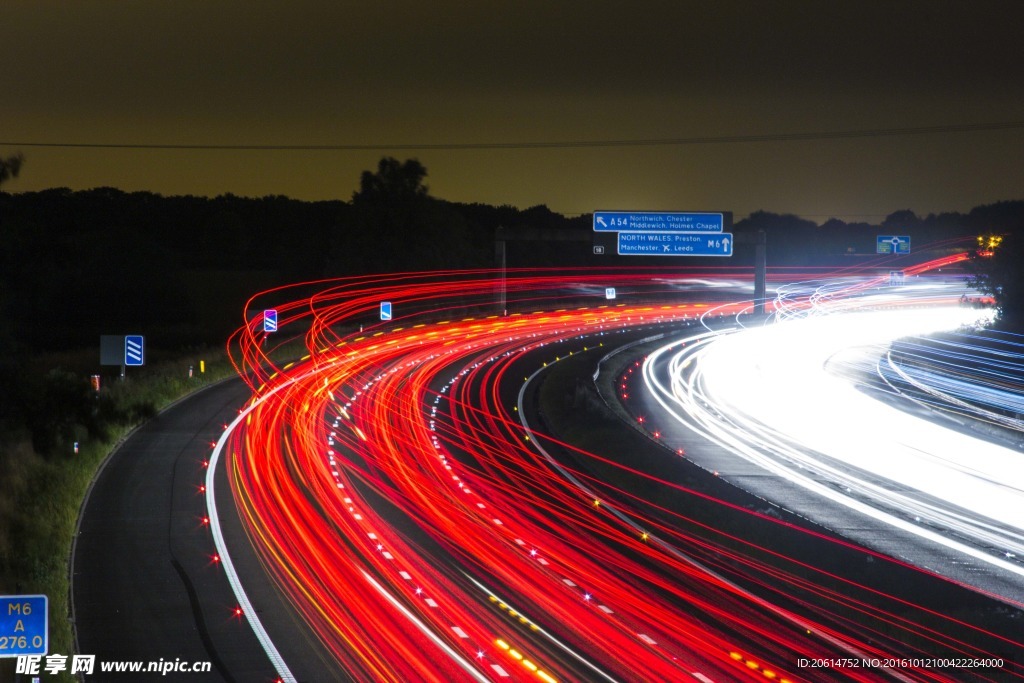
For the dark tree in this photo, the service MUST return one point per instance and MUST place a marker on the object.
(997, 272)
(996, 264)
(791, 239)
(393, 181)
(10, 167)
(397, 226)
(901, 220)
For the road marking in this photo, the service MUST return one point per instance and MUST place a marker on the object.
(456, 657)
(276, 660)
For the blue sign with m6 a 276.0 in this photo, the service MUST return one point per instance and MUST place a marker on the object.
(646, 221)
(24, 625)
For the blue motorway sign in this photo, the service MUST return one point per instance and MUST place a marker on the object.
(134, 345)
(643, 221)
(675, 244)
(892, 244)
(24, 625)
(385, 310)
(270, 320)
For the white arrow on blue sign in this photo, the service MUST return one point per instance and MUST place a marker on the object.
(270, 320)
(134, 349)
(385, 310)
(675, 244)
(646, 221)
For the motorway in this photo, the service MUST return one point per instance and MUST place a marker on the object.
(147, 582)
(441, 609)
(404, 489)
(886, 469)
(144, 585)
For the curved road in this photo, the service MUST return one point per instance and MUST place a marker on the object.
(353, 426)
(145, 586)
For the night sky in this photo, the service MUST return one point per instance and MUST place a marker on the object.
(142, 72)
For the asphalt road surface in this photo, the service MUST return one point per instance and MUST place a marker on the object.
(145, 586)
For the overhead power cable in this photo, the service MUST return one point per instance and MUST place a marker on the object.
(565, 144)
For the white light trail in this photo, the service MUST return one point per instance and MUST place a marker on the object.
(782, 396)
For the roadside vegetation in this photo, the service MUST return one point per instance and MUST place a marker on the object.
(45, 480)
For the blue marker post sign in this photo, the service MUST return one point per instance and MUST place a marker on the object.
(385, 310)
(134, 350)
(644, 221)
(24, 625)
(892, 244)
(270, 320)
(674, 244)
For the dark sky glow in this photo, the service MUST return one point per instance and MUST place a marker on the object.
(408, 73)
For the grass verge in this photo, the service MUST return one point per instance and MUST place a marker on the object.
(41, 498)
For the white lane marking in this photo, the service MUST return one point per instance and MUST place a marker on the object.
(456, 657)
(283, 672)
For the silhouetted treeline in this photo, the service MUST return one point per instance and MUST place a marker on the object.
(998, 272)
(78, 264)
(799, 242)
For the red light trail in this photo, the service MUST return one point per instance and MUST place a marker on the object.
(393, 492)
